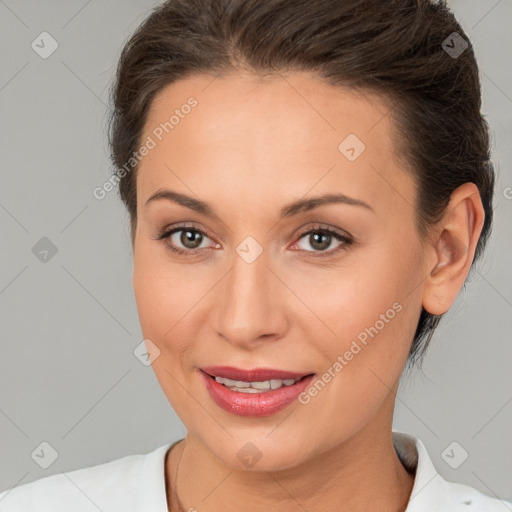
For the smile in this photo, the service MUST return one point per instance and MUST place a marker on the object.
(259, 392)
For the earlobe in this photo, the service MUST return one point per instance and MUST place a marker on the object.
(453, 249)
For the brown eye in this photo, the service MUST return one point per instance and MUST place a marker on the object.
(190, 238)
(184, 239)
(321, 239)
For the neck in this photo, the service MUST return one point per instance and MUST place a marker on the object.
(362, 473)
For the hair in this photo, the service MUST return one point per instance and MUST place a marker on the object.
(393, 48)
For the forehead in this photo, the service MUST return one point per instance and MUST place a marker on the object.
(312, 111)
(259, 136)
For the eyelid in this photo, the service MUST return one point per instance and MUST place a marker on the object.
(164, 234)
(343, 237)
(165, 231)
(323, 227)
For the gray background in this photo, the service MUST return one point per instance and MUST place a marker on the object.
(69, 326)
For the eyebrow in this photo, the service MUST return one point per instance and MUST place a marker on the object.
(299, 206)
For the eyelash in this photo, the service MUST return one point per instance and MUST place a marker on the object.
(167, 233)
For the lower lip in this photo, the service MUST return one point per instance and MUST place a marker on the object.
(254, 404)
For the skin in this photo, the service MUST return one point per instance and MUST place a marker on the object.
(251, 146)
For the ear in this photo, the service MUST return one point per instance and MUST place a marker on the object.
(452, 248)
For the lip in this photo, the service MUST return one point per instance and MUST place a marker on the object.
(265, 403)
(255, 375)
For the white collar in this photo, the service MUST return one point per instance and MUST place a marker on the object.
(431, 492)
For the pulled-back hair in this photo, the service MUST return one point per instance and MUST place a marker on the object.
(397, 48)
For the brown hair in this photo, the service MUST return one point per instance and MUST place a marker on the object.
(396, 48)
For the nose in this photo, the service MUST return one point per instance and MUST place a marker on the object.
(249, 306)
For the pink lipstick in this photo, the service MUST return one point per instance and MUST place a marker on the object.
(257, 392)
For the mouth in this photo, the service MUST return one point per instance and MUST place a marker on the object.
(256, 393)
(253, 381)
(263, 386)
(260, 392)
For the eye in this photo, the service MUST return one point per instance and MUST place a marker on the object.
(184, 239)
(188, 239)
(321, 238)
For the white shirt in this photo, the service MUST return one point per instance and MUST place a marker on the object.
(136, 483)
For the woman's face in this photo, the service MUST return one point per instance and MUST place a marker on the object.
(265, 286)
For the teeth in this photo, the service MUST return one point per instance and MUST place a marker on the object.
(276, 384)
(255, 387)
(245, 390)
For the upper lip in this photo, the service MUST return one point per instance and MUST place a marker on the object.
(255, 375)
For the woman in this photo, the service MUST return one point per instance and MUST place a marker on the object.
(308, 186)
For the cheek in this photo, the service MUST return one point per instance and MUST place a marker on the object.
(162, 309)
(371, 301)
(157, 295)
(373, 314)
(160, 312)
(170, 299)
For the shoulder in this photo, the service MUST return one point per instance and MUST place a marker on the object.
(431, 492)
(118, 485)
(464, 498)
